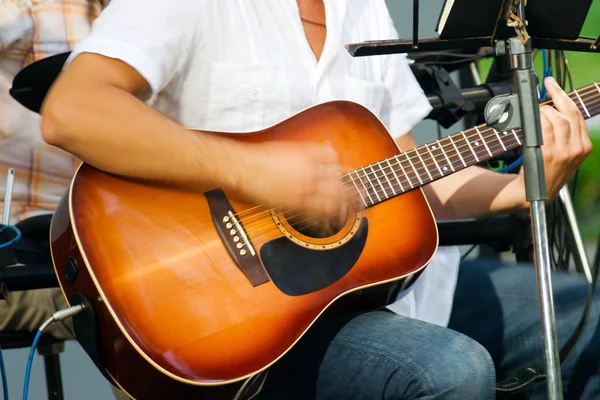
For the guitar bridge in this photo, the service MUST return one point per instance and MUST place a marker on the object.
(234, 238)
(230, 222)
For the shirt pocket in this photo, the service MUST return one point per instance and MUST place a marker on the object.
(243, 98)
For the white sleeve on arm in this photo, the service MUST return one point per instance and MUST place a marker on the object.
(155, 37)
(405, 103)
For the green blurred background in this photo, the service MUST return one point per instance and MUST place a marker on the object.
(585, 69)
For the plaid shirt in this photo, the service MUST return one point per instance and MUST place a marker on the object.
(31, 30)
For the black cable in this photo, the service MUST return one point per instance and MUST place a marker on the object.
(468, 252)
(416, 24)
(596, 261)
(559, 77)
(568, 68)
(573, 185)
(552, 234)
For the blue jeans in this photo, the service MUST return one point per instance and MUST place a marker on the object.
(494, 329)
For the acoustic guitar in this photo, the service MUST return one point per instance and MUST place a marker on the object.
(196, 295)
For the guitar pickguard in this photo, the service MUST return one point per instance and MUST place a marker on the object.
(297, 270)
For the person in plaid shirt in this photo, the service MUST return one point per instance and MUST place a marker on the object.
(31, 30)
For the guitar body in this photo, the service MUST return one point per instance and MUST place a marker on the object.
(180, 313)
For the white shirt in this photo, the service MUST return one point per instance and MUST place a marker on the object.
(243, 65)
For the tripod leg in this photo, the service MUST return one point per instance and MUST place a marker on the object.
(579, 253)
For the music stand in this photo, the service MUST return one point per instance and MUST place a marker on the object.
(517, 110)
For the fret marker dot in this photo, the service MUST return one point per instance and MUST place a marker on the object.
(476, 143)
(445, 168)
(432, 147)
(506, 133)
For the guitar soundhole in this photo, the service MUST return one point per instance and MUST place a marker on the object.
(314, 227)
(297, 268)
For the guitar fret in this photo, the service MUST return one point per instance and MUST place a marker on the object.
(457, 151)
(395, 176)
(471, 147)
(404, 172)
(366, 189)
(371, 182)
(516, 137)
(500, 140)
(509, 138)
(413, 167)
(423, 163)
(434, 160)
(597, 87)
(484, 143)
(357, 189)
(387, 196)
(582, 105)
(387, 179)
(445, 155)
(491, 138)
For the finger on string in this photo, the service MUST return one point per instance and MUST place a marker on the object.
(557, 128)
(546, 128)
(562, 102)
(585, 138)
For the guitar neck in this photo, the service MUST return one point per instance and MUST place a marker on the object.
(424, 164)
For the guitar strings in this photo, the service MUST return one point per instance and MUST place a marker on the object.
(487, 132)
(393, 186)
(374, 188)
(258, 227)
(593, 88)
(583, 92)
(268, 226)
(268, 223)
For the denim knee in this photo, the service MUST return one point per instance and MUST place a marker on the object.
(460, 369)
(380, 355)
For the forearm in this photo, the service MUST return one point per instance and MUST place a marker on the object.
(112, 130)
(475, 192)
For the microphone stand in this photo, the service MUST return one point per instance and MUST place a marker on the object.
(522, 109)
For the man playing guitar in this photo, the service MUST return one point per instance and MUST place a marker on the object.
(149, 68)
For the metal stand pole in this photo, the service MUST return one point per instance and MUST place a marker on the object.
(535, 186)
(10, 180)
(507, 112)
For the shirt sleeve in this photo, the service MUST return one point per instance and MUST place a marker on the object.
(155, 37)
(405, 103)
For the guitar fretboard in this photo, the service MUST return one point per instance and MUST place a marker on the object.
(414, 168)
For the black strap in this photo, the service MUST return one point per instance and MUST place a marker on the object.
(527, 376)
